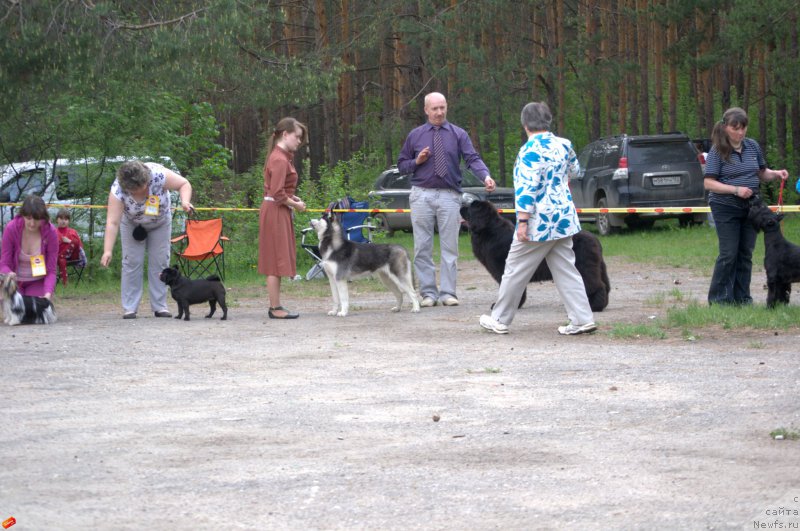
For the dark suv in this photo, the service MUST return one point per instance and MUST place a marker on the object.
(639, 171)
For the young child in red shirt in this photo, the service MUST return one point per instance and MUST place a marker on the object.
(70, 247)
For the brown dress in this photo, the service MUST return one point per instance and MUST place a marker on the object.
(277, 251)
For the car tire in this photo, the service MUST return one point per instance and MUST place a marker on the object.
(688, 220)
(640, 223)
(603, 221)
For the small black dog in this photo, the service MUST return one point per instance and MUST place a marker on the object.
(491, 239)
(781, 257)
(187, 292)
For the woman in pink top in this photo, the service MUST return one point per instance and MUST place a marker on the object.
(30, 249)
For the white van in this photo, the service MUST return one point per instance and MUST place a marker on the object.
(65, 182)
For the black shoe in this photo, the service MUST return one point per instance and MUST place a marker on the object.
(163, 313)
(129, 315)
(289, 315)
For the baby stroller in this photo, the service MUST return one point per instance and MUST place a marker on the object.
(354, 224)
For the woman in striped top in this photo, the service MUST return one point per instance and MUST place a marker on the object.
(735, 168)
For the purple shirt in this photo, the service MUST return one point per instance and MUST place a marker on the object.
(457, 145)
(12, 242)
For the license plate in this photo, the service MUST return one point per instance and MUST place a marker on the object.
(666, 181)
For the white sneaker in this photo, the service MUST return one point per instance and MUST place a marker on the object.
(449, 300)
(490, 324)
(572, 330)
(427, 302)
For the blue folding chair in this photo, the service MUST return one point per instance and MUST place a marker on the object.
(354, 224)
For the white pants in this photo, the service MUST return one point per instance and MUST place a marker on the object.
(435, 207)
(157, 246)
(523, 259)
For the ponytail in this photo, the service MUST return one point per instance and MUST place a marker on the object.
(719, 138)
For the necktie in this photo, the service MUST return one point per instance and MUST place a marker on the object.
(439, 160)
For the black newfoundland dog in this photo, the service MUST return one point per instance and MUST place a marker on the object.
(491, 240)
(781, 257)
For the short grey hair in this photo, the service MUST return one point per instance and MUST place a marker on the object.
(536, 116)
(133, 175)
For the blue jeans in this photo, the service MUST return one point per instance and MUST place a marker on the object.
(730, 283)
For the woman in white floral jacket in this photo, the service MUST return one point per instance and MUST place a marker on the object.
(546, 221)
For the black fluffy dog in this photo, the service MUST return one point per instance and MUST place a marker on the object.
(187, 292)
(781, 257)
(491, 240)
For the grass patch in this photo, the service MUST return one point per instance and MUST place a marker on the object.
(729, 317)
(632, 331)
(785, 434)
(669, 244)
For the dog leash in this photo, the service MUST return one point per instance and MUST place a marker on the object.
(780, 201)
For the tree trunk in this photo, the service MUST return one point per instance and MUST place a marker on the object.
(643, 38)
(672, 38)
(658, 71)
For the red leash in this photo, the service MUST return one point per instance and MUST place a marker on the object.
(780, 201)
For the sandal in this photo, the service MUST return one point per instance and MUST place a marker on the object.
(289, 315)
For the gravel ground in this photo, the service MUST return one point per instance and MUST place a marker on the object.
(397, 421)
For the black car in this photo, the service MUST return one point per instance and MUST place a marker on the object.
(392, 191)
(639, 171)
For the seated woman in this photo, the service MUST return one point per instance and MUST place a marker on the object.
(30, 249)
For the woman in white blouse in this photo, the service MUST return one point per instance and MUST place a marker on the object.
(139, 204)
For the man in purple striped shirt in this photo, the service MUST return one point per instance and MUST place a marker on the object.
(436, 196)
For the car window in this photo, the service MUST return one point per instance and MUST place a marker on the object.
(597, 158)
(583, 158)
(612, 149)
(658, 153)
(26, 183)
(403, 182)
(79, 180)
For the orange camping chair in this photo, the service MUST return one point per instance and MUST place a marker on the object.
(200, 250)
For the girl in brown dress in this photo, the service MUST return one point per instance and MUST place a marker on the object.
(277, 253)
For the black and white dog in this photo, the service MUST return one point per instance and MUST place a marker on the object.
(491, 239)
(344, 260)
(23, 309)
(781, 257)
(187, 292)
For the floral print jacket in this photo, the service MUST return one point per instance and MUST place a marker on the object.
(541, 186)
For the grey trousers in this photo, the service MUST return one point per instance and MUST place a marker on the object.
(435, 207)
(157, 246)
(523, 259)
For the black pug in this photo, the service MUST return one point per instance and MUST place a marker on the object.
(187, 292)
(491, 239)
(781, 257)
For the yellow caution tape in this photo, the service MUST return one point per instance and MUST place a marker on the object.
(621, 210)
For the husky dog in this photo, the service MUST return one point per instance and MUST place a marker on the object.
(344, 260)
(23, 309)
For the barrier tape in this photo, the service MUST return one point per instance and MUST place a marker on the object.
(621, 210)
